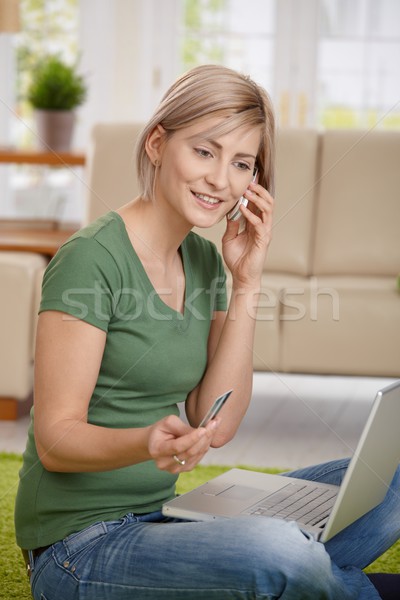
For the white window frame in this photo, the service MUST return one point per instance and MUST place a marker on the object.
(7, 104)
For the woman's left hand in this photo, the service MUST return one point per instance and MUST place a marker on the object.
(245, 251)
(176, 446)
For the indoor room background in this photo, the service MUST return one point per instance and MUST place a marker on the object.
(326, 63)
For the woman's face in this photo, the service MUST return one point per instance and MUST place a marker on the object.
(202, 177)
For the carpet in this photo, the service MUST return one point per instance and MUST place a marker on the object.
(13, 580)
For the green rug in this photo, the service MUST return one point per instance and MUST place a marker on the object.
(13, 580)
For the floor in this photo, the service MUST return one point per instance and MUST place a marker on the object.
(293, 421)
(298, 420)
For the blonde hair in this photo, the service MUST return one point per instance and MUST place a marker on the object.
(211, 91)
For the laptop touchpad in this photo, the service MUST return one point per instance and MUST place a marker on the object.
(240, 492)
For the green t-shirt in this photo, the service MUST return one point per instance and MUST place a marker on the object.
(153, 357)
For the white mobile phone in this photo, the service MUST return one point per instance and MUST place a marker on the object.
(235, 213)
(216, 407)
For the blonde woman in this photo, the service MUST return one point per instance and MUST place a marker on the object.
(134, 320)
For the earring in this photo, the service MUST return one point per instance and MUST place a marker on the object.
(157, 163)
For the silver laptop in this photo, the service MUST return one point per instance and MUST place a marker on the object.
(321, 509)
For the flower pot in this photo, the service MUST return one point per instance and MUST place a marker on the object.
(55, 129)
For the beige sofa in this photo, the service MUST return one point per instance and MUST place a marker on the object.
(335, 256)
(20, 276)
(329, 302)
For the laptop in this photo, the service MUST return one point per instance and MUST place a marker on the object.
(322, 510)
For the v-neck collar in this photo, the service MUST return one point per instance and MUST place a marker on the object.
(164, 311)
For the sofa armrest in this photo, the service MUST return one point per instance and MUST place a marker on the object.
(19, 273)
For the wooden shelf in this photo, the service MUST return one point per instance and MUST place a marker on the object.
(42, 241)
(37, 157)
(40, 237)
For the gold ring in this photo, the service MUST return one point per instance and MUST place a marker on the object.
(179, 461)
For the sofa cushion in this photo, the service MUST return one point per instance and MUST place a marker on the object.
(268, 333)
(19, 272)
(343, 325)
(296, 177)
(357, 229)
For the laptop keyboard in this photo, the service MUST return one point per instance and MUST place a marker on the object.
(296, 502)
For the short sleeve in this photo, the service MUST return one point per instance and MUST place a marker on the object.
(81, 280)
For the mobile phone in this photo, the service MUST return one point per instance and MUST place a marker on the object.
(216, 407)
(235, 213)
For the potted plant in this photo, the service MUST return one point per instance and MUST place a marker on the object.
(55, 91)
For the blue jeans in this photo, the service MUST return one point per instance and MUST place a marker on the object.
(149, 557)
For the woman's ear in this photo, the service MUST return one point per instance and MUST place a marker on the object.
(154, 144)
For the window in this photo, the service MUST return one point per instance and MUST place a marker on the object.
(47, 26)
(227, 32)
(359, 66)
(329, 63)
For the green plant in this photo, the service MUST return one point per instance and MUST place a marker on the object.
(56, 85)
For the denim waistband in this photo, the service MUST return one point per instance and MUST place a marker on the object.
(76, 541)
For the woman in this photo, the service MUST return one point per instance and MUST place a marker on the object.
(133, 321)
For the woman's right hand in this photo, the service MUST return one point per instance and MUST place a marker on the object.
(172, 437)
